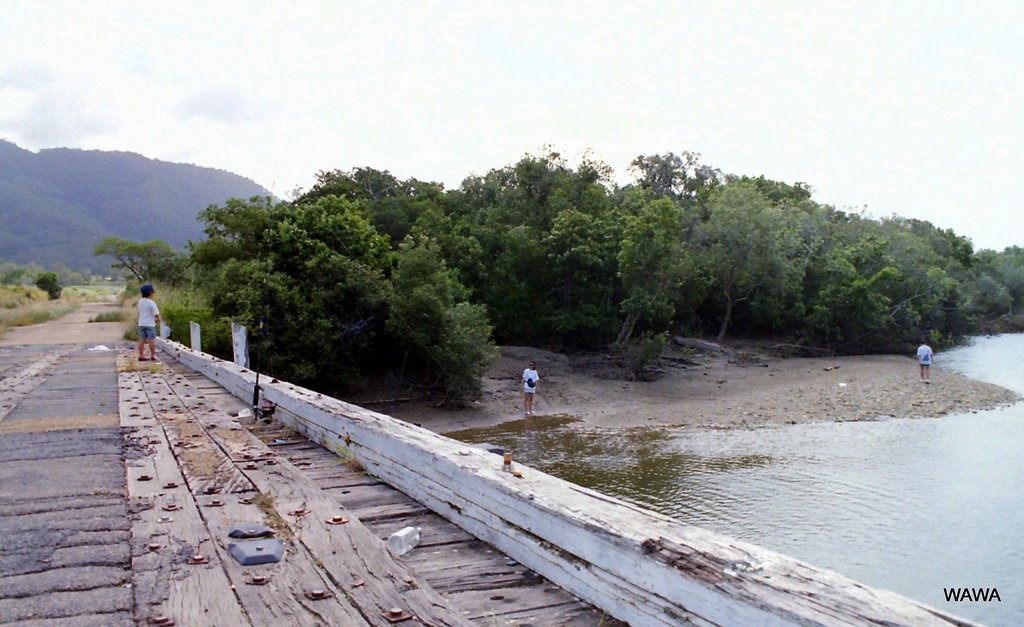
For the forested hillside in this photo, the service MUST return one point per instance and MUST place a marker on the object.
(58, 204)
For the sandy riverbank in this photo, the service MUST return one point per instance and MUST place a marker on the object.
(732, 388)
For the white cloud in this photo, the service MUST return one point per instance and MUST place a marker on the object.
(219, 104)
(50, 113)
(908, 108)
(26, 77)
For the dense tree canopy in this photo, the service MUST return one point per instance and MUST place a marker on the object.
(145, 261)
(366, 273)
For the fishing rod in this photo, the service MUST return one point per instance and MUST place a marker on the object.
(266, 409)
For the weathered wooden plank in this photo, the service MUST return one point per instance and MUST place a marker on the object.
(434, 490)
(164, 584)
(282, 600)
(364, 497)
(457, 549)
(528, 546)
(354, 481)
(355, 560)
(459, 574)
(544, 603)
(206, 468)
(593, 545)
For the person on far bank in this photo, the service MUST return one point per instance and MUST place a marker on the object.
(925, 356)
(149, 317)
(530, 380)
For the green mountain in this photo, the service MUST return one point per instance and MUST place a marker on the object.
(57, 204)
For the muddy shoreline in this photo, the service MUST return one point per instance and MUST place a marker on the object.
(727, 389)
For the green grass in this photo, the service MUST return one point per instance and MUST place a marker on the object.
(24, 305)
(93, 293)
(109, 316)
(34, 313)
(14, 296)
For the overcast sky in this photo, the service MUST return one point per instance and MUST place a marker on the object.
(890, 107)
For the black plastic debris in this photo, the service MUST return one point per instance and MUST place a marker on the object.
(250, 530)
(253, 552)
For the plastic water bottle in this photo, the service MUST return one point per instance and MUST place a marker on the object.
(403, 540)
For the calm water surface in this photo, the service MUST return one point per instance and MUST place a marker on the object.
(913, 506)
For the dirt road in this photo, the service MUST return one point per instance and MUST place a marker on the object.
(73, 328)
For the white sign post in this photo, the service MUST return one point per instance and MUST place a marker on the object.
(240, 344)
(196, 336)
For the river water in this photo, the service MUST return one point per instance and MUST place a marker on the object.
(912, 506)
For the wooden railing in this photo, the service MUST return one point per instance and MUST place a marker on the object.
(636, 565)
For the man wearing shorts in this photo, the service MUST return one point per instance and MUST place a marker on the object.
(149, 316)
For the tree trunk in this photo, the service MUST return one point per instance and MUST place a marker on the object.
(627, 328)
(726, 319)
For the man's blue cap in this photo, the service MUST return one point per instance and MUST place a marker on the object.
(146, 289)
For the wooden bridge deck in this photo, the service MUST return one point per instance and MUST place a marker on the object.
(121, 516)
(215, 470)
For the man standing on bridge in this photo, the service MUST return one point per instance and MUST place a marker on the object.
(149, 316)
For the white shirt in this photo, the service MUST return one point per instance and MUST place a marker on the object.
(924, 354)
(148, 312)
(530, 373)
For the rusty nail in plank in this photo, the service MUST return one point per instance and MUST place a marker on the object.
(318, 594)
(144, 478)
(170, 485)
(302, 511)
(162, 621)
(171, 507)
(248, 500)
(258, 580)
(270, 462)
(164, 519)
(250, 466)
(337, 520)
(154, 546)
(396, 615)
(215, 503)
(198, 559)
(213, 489)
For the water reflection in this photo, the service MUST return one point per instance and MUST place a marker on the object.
(643, 465)
(908, 505)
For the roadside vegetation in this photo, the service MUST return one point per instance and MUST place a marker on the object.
(24, 305)
(366, 275)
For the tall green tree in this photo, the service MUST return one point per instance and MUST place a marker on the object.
(315, 271)
(749, 244)
(680, 177)
(449, 338)
(652, 265)
(49, 283)
(152, 260)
